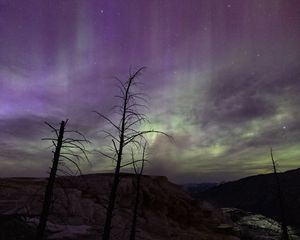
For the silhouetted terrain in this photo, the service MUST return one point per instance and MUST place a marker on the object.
(258, 194)
(195, 188)
(165, 211)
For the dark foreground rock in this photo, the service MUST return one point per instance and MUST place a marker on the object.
(250, 226)
(13, 227)
(166, 211)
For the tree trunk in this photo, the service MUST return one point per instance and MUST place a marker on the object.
(49, 189)
(111, 204)
(113, 193)
(135, 211)
(284, 230)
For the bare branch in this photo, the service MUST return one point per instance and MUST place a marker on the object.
(107, 119)
(131, 138)
(49, 139)
(108, 134)
(133, 163)
(115, 147)
(108, 156)
(53, 128)
(76, 165)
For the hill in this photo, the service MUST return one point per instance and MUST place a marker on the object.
(258, 194)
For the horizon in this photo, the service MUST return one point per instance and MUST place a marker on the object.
(222, 80)
(147, 175)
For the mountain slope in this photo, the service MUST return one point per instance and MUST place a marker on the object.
(258, 194)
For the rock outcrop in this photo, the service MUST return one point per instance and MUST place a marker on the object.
(249, 225)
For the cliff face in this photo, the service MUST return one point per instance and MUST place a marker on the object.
(165, 212)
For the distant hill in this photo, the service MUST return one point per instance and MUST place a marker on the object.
(258, 194)
(194, 189)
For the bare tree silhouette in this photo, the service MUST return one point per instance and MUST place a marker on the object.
(127, 133)
(68, 149)
(284, 229)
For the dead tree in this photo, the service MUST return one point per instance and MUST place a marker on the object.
(126, 133)
(284, 229)
(66, 149)
(138, 173)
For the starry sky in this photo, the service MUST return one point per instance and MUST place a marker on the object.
(222, 78)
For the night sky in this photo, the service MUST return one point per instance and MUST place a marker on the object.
(222, 79)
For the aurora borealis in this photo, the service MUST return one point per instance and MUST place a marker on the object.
(222, 76)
